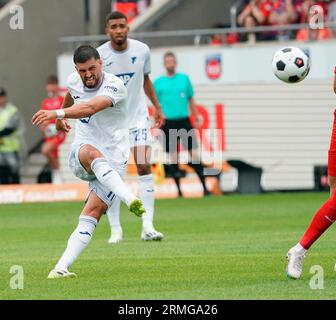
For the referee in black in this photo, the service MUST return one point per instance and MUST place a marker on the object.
(176, 95)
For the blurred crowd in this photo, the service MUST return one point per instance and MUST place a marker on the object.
(131, 8)
(12, 151)
(279, 13)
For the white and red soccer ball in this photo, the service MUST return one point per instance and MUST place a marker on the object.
(291, 64)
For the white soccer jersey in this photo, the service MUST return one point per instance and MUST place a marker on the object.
(106, 130)
(130, 66)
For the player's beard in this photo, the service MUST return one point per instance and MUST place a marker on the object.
(120, 41)
(93, 83)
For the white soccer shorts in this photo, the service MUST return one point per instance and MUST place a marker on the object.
(140, 137)
(106, 195)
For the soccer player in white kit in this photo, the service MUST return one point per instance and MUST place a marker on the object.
(129, 60)
(100, 149)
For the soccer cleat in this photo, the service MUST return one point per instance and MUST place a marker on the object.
(137, 207)
(116, 236)
(295, 261)
(56, 274)
(151, 235)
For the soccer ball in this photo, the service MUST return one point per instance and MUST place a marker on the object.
(291, 64)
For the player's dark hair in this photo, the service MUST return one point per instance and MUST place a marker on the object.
(85, 53)
(115, 15)
(169, 54)
(3, 92)
(52, 79)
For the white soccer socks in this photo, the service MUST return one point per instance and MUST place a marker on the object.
(113, 215)
(147, 196)
(77, 242)
(112, 180)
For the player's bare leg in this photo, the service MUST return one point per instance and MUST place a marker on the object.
(322, 220)
(142, 159)
(48, 151)
(81, 237)
(94, 163)
(142, 156)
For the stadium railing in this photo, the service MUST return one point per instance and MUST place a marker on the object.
(71, 42)
(235, 8)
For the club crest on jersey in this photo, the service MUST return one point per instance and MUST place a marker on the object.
(125, 77)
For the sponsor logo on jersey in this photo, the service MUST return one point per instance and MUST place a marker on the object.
(133, 60)
(85, 120)
(125, 77)
(111, 88)
(213, 66)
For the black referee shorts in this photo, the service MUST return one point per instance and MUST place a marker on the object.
(179, 131)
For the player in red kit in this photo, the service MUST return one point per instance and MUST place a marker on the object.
(323, 218)
(52, 138)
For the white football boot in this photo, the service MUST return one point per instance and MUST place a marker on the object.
(56, 274)
(150, 234)
(116, 236)
(295, 261)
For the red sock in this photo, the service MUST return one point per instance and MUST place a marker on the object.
(322, 220)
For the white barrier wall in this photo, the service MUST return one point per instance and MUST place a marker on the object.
(240, 65)
(232, 65)
(285, 129)
(282, 128)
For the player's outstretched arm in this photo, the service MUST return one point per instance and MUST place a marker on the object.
(87, 109)
(76, 111)
(63, 125)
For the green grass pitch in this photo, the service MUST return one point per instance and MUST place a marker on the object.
(229, 247)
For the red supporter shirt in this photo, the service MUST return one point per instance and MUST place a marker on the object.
(279, 7)
(52, 104)
(127, 7)
(266, 9)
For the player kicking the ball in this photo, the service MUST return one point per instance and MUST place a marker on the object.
(129, 60)
(323, 218)
(100, 149)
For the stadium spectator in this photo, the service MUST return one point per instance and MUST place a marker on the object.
(219, 39)
(52, 138)
(9, 141)
(307, 15)
(332, 15)
(283, 12)
(175, 93)
(255, 13)
(128, 7)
